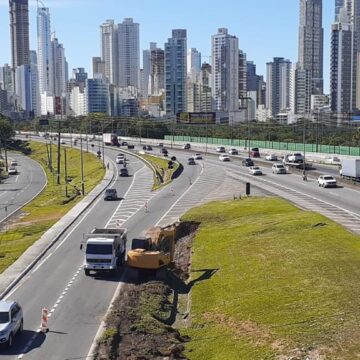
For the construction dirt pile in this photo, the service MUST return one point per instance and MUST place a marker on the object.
(141, 322)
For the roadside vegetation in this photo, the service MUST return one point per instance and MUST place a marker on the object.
(272, 282)
(52, 204)
(162, 169)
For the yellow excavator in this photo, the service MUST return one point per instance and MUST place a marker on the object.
(154, 251)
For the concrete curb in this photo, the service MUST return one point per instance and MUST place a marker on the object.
(18, 270)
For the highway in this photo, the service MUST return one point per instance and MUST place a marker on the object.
(17, 190)
(78, 303)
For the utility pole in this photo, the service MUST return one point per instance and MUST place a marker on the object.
(82, 167)
(58, 151)
(66, 179)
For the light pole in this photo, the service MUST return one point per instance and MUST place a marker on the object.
(304, 140)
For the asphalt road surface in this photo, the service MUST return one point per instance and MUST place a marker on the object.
(18, 189)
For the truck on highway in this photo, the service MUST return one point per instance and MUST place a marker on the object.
(105, 250)
(350, 169)
(110, 139)
(294, 160)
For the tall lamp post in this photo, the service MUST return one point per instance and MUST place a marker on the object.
(247, 142)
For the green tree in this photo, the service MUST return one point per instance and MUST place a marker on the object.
(6, 130)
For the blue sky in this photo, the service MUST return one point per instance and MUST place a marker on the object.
(265, 28)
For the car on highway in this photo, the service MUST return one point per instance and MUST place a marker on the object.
(186, 146)
(255, 152)
(247, 162)
(224, 157)
(233, 152)
(191, 161)
(198, 157)
(220, 149)
(271, 157)
(327, 181)
(164, 151)
(333, 160)
(255, 170)
(295, 158)
(124, 143)
(278, 169)
(11, 321)
(120, 159)
(110, 194)
(14, 163)
(12, 171)
(160, 144)
(147, 147)
(124, 172)
(63, 142)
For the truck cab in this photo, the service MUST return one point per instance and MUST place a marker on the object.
(105, 250)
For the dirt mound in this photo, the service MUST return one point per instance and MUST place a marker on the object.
(140, 324)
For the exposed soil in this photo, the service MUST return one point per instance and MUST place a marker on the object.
(140, 325)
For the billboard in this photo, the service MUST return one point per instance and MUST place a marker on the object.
(196, 117)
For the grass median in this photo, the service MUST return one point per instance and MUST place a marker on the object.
(52, 204)
(272, 282)
(162, 167)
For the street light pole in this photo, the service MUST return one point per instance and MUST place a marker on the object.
(82, 167)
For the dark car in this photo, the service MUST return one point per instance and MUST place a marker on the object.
(124, 172)
(131, 146)
(191, 161)
(124, 143)
(163, 151)
(110, 194)
(247, 162)
(186, 146)
(254, 152)
(149, 148)
(144, 147)
(161, 144)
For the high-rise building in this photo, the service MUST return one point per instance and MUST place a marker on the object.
(338, 5)
(157, 72)
(225, 71)
(352, 8)
(278, 85)
(242, 75)
(129, 53)
(60, 69)
(175, 72)
(97, 96)
(109, 51)
(34, 83)
(311, 42)
(98, 67)
(146, 71)
(19, 29)
(206, 96)
(193, 64)
(6, 80)
(341, 81)
(45, 54)
(300, 90)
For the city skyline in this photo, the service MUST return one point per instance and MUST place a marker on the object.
(271, 39)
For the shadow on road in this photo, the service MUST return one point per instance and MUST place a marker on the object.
(24, 342)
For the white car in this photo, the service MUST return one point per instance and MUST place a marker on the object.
(12, 171)
(220, 149)
(120, 159)
(271, 157)
(296, 158)
(255, 170)
(326, 181)
(14, 163)
(198, 157)
(11, 321)
(224, 157)
(233, 152)
(333, 160)
(278, 169)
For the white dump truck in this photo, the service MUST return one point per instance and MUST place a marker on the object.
(110, 139)
(105, 250)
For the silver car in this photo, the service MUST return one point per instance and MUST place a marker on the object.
(11, 321)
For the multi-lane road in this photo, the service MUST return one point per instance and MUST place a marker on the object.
(78, 303)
